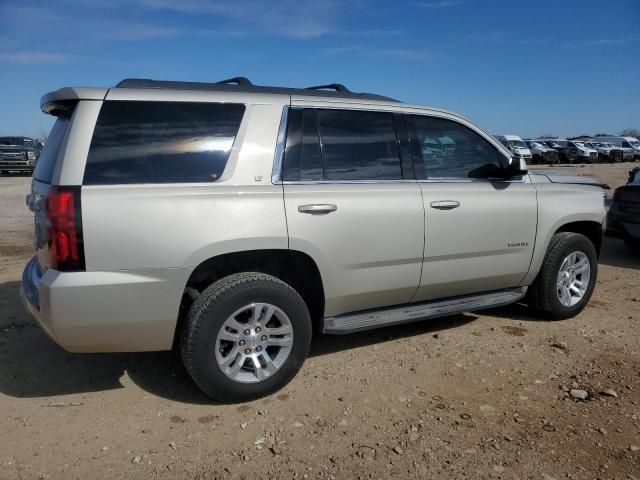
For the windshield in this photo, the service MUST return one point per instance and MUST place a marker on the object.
(517, 144)
(11, 141)
(580, 145)
(558, 143)
(635, 143)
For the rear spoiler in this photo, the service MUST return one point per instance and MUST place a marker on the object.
(64, 99)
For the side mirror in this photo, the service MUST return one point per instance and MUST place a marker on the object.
(516, 167)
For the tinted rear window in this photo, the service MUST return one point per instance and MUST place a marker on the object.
(359, 145)
(161, 142)
(46, 163)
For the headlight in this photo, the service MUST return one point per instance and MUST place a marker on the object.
(31, 155)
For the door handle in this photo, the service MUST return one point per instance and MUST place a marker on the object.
(318, 209)
(445, 204)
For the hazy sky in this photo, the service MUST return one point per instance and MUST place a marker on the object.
(560, 67)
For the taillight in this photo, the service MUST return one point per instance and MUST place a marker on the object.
(66, 248)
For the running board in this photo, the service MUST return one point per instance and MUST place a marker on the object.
(370, 319)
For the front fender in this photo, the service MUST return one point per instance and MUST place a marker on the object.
(559, 205)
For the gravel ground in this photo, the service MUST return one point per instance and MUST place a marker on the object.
(494, 395)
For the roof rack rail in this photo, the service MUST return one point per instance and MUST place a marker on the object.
(243, 84)
(237, 80)
(338, 87)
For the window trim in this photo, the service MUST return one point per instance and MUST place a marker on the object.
(281, 143)
(278, 162)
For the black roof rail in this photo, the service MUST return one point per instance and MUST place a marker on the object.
(338, 87)
(236, 80)
(242, 84)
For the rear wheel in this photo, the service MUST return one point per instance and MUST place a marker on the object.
(567, 278)
(246, 336)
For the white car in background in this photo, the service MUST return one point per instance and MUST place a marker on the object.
(541, 153)
(516, 145)
(586, 154)
(630, 145)
(607, 152)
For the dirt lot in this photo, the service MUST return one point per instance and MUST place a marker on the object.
(471, 396)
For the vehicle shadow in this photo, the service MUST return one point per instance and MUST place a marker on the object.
(33, 366)
(616, 254)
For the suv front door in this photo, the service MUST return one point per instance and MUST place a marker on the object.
(353, 205)
(479, 233)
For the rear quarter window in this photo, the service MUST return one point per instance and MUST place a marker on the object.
(161, 142)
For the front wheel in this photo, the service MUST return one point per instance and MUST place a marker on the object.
(246, 336)
(567, 278)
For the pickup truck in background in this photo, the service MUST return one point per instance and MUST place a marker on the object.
(17, 154)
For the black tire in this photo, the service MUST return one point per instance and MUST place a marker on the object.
(207, 316)
(4, 172)
(543, 295)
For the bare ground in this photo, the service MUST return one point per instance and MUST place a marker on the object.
(470, 396)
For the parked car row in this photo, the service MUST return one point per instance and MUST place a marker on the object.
(19, 154)
(603, 149)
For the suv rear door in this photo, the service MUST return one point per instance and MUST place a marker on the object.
(353, 205)
(479, 232)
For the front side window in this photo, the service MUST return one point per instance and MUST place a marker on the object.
(445, 149)
(161, 142)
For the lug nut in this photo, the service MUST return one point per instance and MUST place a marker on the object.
(258, 349)
(263, 338)
(241, 342)
(247, 332)
(258, 329)
(247, 351)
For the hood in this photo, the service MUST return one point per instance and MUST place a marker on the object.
(573, 179)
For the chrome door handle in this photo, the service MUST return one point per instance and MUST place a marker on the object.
(318, 209)
(445, 204)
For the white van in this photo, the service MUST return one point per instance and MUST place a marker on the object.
(516, 145)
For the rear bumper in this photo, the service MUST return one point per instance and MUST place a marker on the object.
(123, 311)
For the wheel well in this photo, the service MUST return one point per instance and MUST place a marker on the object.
(295, 268)
(591, 230)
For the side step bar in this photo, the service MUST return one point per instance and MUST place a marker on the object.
(383, 317)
